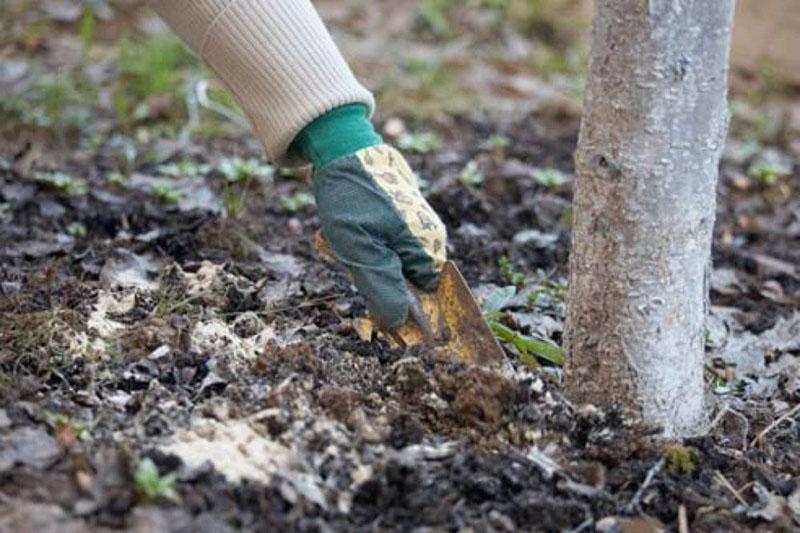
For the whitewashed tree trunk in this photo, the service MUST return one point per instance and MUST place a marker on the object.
(654, 123)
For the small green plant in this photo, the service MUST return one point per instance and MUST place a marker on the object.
(87, 28)
(498, 144)
(434, 16)
(234, 200)
(498, 141)
(238, 176)
(511, 275)
(546, 296)
(77, 230)
(52, 102)
(550, 178)
(169, 300)
(117, 179)
(528, 347)
(471, 175)
(422, 142)
(167, 195)
(680, 459)
(60, 183)
(150, 485)
(184, 169)
(493, 304)
(62, 424)
(767, 173)
(297, 201)
(155, 66)
(236, 169)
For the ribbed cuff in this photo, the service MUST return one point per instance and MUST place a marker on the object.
(337, 133)
(276, 57)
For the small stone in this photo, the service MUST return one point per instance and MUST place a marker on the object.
(294, 226)
(84, 480)
(535, 238)
(159, 353)
(609, 524)
(84, 507)
(119, 399)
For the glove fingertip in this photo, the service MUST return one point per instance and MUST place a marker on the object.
(390, 313)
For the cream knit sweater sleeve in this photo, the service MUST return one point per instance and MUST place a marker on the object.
(275, 56)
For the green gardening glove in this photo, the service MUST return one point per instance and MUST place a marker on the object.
(371, 211)
(380, 227)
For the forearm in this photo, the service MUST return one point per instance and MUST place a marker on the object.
(275, 56)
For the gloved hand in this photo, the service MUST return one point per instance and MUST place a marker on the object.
(379, 225)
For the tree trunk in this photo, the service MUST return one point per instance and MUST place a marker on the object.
(654, 123)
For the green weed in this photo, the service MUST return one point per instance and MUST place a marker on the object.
(156, 66)
(51, 103)
(422, 142)
(680, 459)
(498, 144)
(767, 173)
(87, 29)
(547, 296)
(117, 179)
(297, 201)
(77, 230)
(234, 200)
(238, 170)
(528, 347)
(60, 183)
(471, 175)
(239, 174)
(169, 300)
(510, 274)
(167, 195)
(150, 485)
(37, 342)
(62, 423)
(434, 16)
(550, 178)
(184, 169)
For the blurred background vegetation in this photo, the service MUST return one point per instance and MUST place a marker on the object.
(108, 71)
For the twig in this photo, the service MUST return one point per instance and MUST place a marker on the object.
(718, 418)
(683, 520)
(648, 479)
(583, 525)
(727, 484)
(725, 410)
(201, 93)
(775, 424)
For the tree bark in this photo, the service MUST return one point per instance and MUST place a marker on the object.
(654, 123)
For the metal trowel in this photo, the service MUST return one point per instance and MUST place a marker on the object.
(448, 319)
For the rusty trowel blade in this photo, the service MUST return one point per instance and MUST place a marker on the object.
(447, 319)
(450, 319)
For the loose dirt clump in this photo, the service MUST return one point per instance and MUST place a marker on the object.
(479, 397)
